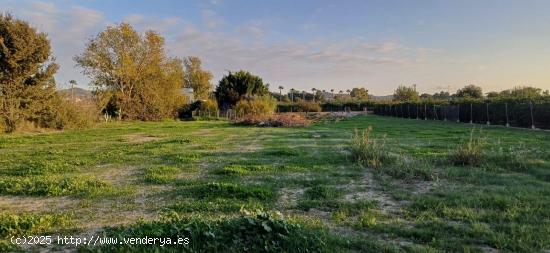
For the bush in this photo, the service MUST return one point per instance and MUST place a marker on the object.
(279, 120)
(368, 151)
(78, 115)
(258, 106)
(308, 106)
(470, 153)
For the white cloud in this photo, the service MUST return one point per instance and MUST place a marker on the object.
(211, 19)
(68, 28)
(303, 64)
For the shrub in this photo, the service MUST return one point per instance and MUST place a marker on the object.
(308, 106)
(279, 120)
(368, 151)
(470, 153)
(257, 106)
(78, 115)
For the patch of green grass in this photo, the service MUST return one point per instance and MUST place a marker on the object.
(214, 190)
(408, 169)
(250, 232)
(29, 224)
(500, 205)
(51, 185)
(161, 174)
(236, 169)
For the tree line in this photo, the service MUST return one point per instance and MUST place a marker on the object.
(133, 78)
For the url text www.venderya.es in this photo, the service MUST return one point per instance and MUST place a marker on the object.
(98, 240)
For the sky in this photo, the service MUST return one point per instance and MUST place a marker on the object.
(376, 44)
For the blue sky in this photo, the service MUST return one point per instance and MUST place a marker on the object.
(377, 44)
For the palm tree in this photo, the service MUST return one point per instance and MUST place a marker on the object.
(332, 93)
(281, 93)
(73, 83)
(313, 90)
(292, 94)
(348, 91)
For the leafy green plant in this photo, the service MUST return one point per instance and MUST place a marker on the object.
(256, 231)
(369, 151)
(470, 153)
(51, 185)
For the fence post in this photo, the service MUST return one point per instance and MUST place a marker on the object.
(458, 118)
(506, 110)
(425, 114)
(532, 120)
(471, 113)
(435, 113)
(487, 107)
(444, 109)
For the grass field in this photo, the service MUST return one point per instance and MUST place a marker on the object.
(196, 178)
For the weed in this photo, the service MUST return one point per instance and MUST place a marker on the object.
(470, 153)
(513, 158)
(368, 151)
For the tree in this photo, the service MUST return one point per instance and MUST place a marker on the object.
(27, 85)
(470, 91)
(526, 92)
(197, 78)
(405, 94)
(133, 71)
(359, 93)
(313, 90)
(442, 95)
(236, 86)
(281, 93)
(73, 84)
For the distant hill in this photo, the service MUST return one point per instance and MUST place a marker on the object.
(78, 93)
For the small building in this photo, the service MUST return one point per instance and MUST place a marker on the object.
(188, 92)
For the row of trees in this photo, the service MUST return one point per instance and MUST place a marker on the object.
(469, 93)
(133, 78)
(355, 94)
(131, 74)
